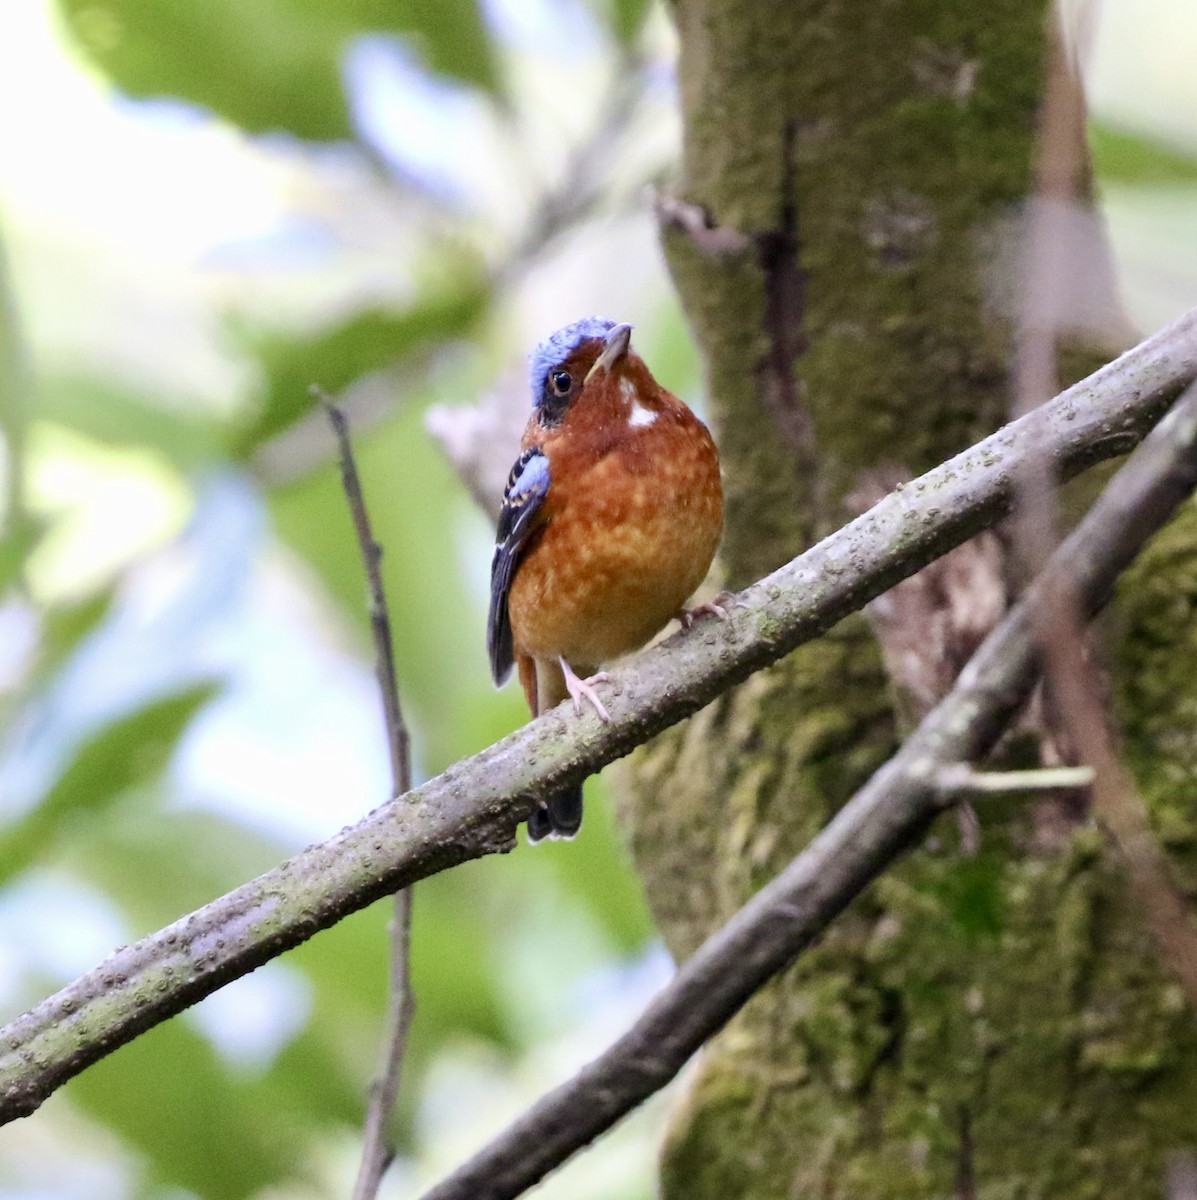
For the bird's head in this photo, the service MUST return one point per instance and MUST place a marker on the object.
(586, 357)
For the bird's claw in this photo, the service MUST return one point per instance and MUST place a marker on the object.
(582, 689)
(689, 615)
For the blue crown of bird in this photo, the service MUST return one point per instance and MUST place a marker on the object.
(610, 520)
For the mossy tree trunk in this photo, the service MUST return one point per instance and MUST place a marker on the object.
(987, 1024)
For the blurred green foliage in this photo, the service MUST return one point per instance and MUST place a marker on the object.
(368, 341)
(626, 17)
(120, 757)
(158, 1096)
(1120, 156)
(272, 64)
(188, 1114)
(114, 415)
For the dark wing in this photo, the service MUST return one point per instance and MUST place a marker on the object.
(527, 486)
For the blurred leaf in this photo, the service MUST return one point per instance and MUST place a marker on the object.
(333, 359)
(114, 416)
(453, 975)
(1132, 158)
(65, 625)
(333, 1060)
(453, 962)
(595, 869)
(270, 64)
(180, 860)
(133, 749)
(200, 1127)
(130, 751)
(15, 548)
(626, 18)
(177, 861)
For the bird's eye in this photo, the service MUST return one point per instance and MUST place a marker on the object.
(561, 382)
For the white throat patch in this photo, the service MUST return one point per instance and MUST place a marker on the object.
(639, 417)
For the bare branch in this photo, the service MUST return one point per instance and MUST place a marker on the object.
(883, 820)
(713, 240)
(961, 780)
(474, 807)
(1077, 695)
(378, 1148)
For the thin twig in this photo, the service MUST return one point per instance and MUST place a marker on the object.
(474, 807)
(961, 779)
(1076, 694)
(1074, 685)
(398, 741)
(378, 1147)
(883, 820)
(715, 241)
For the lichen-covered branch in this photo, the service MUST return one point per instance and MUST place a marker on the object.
(875, 827)
(473, 808)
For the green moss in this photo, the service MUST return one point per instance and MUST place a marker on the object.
(859, 1072)
(766, 489)
(1154, 686)
(1004, 1014)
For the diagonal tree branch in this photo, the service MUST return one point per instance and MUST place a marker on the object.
(473, 808)
(883, 820)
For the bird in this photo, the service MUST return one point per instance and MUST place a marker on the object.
(610, 520)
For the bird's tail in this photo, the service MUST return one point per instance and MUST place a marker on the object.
(560, 817)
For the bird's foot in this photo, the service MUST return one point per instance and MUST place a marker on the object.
(689, 615)
(582, 689)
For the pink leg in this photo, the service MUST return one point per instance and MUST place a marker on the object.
(581, 689)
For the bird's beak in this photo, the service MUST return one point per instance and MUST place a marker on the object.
(615, 346)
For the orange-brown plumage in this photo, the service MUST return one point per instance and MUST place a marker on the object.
(624, 524)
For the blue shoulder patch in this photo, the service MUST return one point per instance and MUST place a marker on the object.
(559, 346)
(533, 478)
